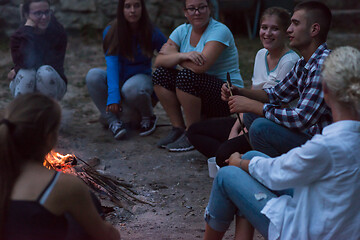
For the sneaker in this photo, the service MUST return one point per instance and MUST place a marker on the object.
(182, 144)
(118, 129)
(173, 135)
(148, 125)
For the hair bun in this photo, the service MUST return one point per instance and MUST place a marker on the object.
(354, 91)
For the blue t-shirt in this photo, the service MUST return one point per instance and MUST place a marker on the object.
(228, 61)
(119, 68)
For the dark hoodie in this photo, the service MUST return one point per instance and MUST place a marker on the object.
(31, 50)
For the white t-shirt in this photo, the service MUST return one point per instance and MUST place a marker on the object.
(263, 78)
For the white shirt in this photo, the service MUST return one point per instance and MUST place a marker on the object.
(263, 77)
(325, 175)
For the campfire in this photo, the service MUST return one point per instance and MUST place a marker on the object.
(106, 187)
(59, 162)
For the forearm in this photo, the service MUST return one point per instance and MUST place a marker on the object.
(194, 67)
(23, 49)
(113, 79)
(245, 165)
(258, 95)
(256, 107)
(168, 60)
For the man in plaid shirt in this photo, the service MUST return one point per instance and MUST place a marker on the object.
(275, 127)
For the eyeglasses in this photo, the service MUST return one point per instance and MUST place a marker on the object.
(39, 14)
(192, 10)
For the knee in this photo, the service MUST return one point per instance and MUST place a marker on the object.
(28, 74)
(259, 127)
(249, 118)
(185, 75)
(158, 74)
(94, 77)
(45, 73)
(227, 174)
(249, 155)
(131, 94)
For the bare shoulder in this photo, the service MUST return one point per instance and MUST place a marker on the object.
(69, 190)
(70, 184)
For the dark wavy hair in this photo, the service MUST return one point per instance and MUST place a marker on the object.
(26, 6)
(25, 128)
(184, 2)
(119, 40)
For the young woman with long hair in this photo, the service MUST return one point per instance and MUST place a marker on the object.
(34, 199)
(38, 51)
(123, 93)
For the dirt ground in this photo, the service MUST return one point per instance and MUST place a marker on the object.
(176, 183)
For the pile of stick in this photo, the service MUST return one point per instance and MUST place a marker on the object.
(103, 185)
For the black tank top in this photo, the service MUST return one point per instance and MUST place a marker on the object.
(30, 220)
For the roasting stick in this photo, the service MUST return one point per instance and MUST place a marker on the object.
(229, 85)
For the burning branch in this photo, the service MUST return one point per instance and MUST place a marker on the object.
(104, 185)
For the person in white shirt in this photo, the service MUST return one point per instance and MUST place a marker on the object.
(272, 63)
(324, 174)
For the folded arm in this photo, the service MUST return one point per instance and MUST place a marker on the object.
(198, 62)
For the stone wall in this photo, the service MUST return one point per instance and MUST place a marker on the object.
(95, 14)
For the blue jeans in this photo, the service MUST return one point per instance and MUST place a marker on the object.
(271, 138)
(234, 192)
(135, 93)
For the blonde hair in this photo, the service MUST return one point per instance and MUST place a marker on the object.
(283, 15)
(341, 73)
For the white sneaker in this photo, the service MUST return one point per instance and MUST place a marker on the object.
(118, 129)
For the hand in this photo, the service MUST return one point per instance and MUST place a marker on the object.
(168, 48)
(225, 92)
(196, 57)
(234, 159)
(30, 22)
(114, 108)
(11, 75)
(240, 104)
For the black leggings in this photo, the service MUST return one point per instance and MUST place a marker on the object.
(204, 86)
(210, 137)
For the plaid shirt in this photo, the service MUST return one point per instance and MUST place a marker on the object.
(303, 82)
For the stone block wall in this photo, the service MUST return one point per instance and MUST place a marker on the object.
(95, 14)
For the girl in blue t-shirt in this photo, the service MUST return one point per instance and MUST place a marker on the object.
(123, 93)
(205, 49)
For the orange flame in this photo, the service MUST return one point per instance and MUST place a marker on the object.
(59, 162)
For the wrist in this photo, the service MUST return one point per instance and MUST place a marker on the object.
(241, 160)
(237, 91)
(181, 57)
